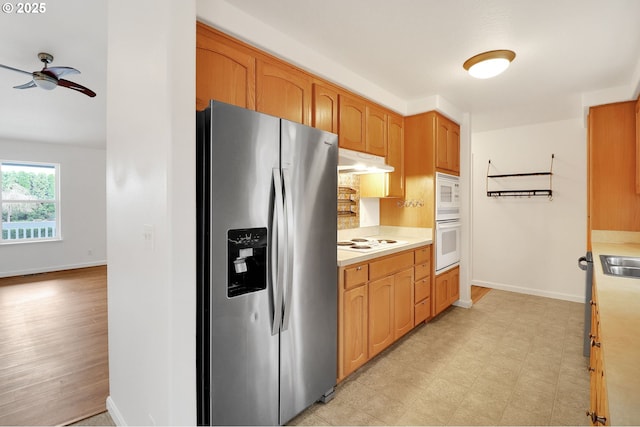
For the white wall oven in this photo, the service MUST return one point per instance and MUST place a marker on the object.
(448, 224)
(447, 245)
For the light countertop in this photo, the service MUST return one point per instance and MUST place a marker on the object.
(619, 307)
(415, 237)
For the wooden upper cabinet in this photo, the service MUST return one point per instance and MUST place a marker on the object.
(638, 145)
(283, 91)
(447, 140)
(455, 148)
(395, 155)
(388, 184)
(325, 108)
(376, 134)
(351, 127)
(613, 203)
(224, 71)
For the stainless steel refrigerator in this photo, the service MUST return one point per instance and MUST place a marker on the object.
(267, 282)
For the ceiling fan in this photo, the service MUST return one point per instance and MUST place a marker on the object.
(50, 77)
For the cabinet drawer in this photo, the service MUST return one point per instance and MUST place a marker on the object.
(355, 276)
(422, 289)
(422, 254)
(423, 269)
(422, 311)
(390, 265)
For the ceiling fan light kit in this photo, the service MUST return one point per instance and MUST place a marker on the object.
(50, 77)
(489, 64)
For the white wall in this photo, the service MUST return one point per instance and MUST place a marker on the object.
(151, 182)
(531, 245)
(83, 210)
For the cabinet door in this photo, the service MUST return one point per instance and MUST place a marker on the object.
(355, 326)
(395, 156)
(403, 302)
(351, 126)
(381, 319)
(447, 145)
(612, 199)
(441, 297)
(453, 289)
(442, 145)
(283, 91)
(376, 133)
(224, 72)
(325, 108)
(454, 148)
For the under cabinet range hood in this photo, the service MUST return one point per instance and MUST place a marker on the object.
(350, 161)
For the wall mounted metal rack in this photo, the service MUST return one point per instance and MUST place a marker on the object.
(521, 193)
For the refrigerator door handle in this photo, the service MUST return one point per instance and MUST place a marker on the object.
(278, 240)
(289, 252)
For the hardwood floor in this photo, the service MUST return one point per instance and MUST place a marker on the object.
(53, 347)
(477, 292)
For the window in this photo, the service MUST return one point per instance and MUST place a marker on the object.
(30, 201)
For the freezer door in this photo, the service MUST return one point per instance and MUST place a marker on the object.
(308, 337)
(244, 352)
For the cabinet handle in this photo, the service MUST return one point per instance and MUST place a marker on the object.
(592, 302)
(595, 343)
(590, 369)
(359, 268)
(595, 418)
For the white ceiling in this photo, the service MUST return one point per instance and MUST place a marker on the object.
(415, 49)
(75, 33)
(411, 48)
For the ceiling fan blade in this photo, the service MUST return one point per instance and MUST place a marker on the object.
(26, 85)
(62, 71)
(15, 69)
(76, 87)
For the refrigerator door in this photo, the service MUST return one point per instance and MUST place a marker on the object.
(244, 353)
(308, 338)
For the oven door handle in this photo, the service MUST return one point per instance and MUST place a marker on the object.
(448, 225)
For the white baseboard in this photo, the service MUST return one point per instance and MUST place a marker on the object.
(52, 268)
(463, 303)
(530, 291)
(115, 415)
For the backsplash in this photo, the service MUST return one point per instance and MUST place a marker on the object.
(348, 201)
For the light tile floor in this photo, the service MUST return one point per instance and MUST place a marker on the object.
(511, 359)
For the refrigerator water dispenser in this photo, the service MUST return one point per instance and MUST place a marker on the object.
(246, 261)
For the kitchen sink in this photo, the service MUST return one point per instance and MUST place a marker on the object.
(622, 266)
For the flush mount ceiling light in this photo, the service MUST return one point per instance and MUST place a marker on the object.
(489, 64)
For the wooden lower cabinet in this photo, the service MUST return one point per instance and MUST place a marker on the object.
(599, 406)
(355, 325)
(381, 320)
(377, 305)
(446, 289)
(403, 303)
(422, 285)
(390, 310)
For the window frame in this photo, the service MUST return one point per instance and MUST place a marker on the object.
(56, 202)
